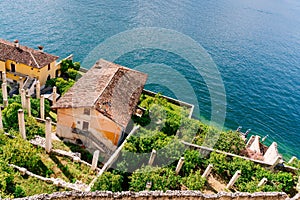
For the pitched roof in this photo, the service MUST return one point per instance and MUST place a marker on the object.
(25, 55)
(111, 89)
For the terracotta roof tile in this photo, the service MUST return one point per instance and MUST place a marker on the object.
(25, 55)
(110, 88)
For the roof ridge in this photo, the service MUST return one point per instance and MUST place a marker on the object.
(24, 54)
(34, 60)
(108, 82)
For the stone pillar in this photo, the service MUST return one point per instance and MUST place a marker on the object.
(21, 120)
(207, 171)
(21, 84)
(262, 182)
(4, 77)
(48, 145)
(292, 159)
(28, 104)
(179, 165)
(1, 123)
(148, 185)
(54, 95)
(23, 98)
(152, 157)
(4, 94)
(95, 160)
(42, 107)
(38, 89)
(234, 179)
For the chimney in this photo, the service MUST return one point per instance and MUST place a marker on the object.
(41, 48)
(17, 43)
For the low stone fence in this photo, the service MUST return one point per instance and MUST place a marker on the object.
(159, 195)
(207, 151)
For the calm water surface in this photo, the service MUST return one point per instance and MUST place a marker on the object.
(255, 44)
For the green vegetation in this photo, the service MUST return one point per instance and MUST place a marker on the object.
(21, 153)
(159, 178)
(70, 74)
(15, 150)
(109, 182)
(10, 116)
(163, 126)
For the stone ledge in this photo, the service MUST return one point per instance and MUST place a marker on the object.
(158, 195)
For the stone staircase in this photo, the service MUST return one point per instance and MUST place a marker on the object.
(94, 139)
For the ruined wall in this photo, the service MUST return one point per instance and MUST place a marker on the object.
(157, 195)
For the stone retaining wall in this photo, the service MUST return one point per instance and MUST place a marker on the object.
(158, 195)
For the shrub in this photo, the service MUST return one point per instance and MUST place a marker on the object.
(192, 161)
(63, 86)
(10, 115)
(51, 82)
(33, 128)
(160, 179)
(109, 182)
(73, 74)
(76, 66)
(6, 180)
(194, 181)
(68, 64)
(20, 152)
(65, 65)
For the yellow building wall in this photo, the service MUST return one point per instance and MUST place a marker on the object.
(107, 127)
(25, 70)
(2, 66)
(97, 122)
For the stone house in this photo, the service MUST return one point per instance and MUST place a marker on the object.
(97, 109)
(26, 65)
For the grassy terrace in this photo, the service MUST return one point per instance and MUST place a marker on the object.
(21, 153)
(164, 125)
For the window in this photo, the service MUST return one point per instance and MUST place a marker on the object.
(13, 67)
(85, 126)
(49, 67)
(86, 111)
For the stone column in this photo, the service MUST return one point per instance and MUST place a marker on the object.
(23, 98)
(48, 145)
(1, 123)
(21, 84)
(22, 129)
(207, 171)
(292, 159)
(148, 185)
(262, 182)
(95, 160)
(4, 94)
(234, 179)
(152, 157)
(4, 77)
(42, 107)
(28, 103)
(38, 89)
(179, 165)
(54, 95)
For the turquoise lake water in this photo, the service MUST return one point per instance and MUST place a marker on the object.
(254, 43)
